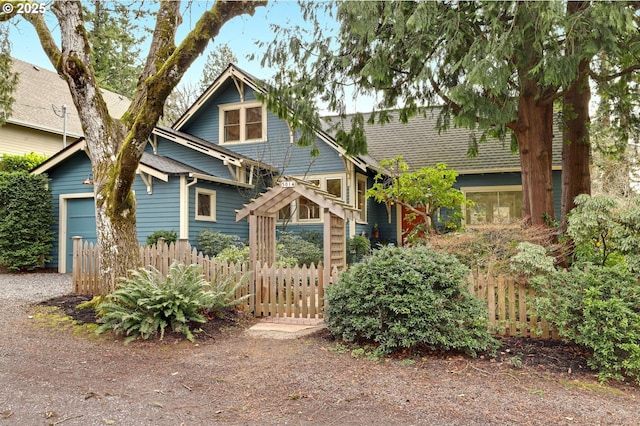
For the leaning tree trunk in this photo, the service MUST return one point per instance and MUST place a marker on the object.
(534, 132)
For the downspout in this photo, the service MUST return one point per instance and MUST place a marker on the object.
(184, 206)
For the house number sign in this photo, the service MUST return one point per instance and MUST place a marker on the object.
(287, 184)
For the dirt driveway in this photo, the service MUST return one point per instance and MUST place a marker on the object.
(48, 375)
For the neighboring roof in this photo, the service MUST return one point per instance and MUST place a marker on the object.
(290, 189)
(40, 95)
(421, 145)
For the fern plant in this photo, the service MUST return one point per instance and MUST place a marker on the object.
(148, 302)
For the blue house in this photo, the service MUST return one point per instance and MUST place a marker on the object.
(227, 149)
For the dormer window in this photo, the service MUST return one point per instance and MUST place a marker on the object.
(244, 122)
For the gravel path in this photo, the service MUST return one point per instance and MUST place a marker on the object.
(33, 287)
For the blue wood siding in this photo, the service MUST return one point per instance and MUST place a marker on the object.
(66, 179)
(277, 151)
(191, 157)
(228, 200)
(204, 124)
(159, 210)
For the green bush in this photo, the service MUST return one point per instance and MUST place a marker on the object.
(26, 210)
(357, 248)
(599, 308)
(169, 237)
(211, 243)
(148, 302)
(291, 246)
(20, 163)
(234, 254)
(405, 297)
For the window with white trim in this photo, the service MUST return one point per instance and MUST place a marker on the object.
(243, 122)
(493, 205)
(361, 196)
(205, 204)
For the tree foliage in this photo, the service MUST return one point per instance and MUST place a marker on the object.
(115, 146)
(496, 67)
(17, 163)
(423, 192)
(8, 79)
(217, 61)
(184, 95)
(115, 36)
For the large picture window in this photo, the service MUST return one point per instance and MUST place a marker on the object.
(498, 205)
(242, 123)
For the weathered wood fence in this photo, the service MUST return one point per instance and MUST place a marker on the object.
(299, 292)
(508, 303)
(273, 291)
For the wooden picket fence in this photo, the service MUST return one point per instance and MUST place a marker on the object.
(273, 291)
(508, 303)
(281, 292)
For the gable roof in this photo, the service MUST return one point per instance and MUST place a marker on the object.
(232, 72)
(421, 145)
(39, 97)
(240, 78)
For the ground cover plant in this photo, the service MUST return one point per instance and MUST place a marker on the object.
(148, 303)
(401, 298)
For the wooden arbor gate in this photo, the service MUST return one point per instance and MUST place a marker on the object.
(262, 215)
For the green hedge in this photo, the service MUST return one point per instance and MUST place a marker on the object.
(25, 229)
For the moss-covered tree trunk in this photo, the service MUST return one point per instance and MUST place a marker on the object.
(116, 146)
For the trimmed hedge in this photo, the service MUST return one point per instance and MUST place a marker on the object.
(25, 229)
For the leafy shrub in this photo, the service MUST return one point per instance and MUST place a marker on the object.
(357, 248)
(169, 237)
(599, 308)
(211, 242)
(20, 163)
(234, 254)
(26, 210)
(604, 232)
(292, 246)
(314, 237)
(402, 297)
(148, 302)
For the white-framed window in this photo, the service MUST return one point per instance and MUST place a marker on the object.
(205, 204)
(493, 204)
(243, 122)
(361, 196)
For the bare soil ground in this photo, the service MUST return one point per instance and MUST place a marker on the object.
(53, 372)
